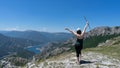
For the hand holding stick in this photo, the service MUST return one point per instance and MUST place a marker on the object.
(66, 29)
(87, 22)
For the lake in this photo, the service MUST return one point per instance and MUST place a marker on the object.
(35, 49)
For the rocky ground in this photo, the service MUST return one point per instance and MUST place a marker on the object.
(89, 60)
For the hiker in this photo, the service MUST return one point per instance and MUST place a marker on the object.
(79, 42)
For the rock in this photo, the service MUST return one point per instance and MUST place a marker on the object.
(105, 30)
(89, 60)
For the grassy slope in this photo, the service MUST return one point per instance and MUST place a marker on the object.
(95, 40)
(111, 50)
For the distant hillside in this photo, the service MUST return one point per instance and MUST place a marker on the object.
(104, 30)
(13, 44)
(42, 37)
(9, 45)
(99, 35)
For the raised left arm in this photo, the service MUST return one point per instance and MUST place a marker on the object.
(74, 33)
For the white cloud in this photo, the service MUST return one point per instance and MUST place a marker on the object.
(16, 28)
(44, 29)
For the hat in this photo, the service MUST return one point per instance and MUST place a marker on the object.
(78, 29)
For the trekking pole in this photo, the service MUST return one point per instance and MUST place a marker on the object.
(87, 21)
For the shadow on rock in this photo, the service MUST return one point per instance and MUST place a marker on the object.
(86, 62)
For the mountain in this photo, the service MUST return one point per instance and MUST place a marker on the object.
(43, 37)
(9, 45)
(104, 30)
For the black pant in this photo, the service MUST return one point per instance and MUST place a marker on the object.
(78, 49)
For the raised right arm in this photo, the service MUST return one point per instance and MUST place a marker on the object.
(84, 30)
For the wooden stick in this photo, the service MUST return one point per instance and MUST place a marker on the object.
(87, 21)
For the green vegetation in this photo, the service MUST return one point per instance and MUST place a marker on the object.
(0, 66)
(10, 45)
(95, 40)
(111, 50)
(20, 64)
(25, 54)
(18, 61)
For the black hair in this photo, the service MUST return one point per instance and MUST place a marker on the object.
(79, 31)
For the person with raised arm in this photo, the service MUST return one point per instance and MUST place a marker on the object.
(79, 42)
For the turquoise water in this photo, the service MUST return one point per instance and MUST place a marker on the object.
(34, 49)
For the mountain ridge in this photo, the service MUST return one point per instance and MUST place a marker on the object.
(103, 30)
(42, 37)
(9, 44)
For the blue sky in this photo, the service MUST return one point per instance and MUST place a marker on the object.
(55, 15)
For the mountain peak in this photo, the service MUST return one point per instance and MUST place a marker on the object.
(104, 30)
